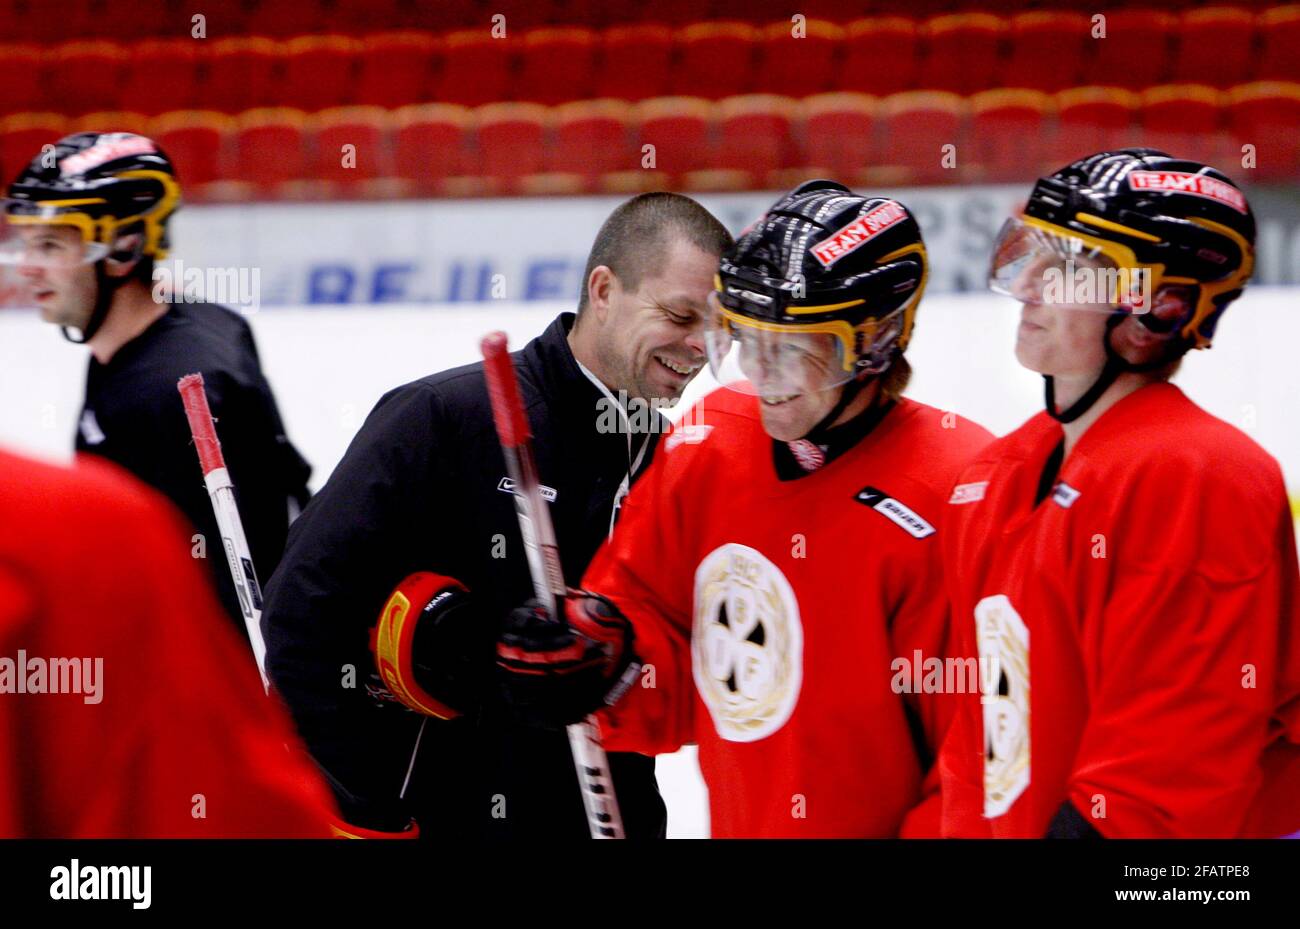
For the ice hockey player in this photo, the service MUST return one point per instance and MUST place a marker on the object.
(128, 708)
(1124, 563)
(782, 553)
(418, 524)
(84, 225)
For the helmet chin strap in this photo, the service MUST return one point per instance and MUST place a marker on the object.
(1115, 366)
(105, 288)
(847, 395)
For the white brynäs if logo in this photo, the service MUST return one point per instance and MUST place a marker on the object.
(747, 644)
(1003, 642)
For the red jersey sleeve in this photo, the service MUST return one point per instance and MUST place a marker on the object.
(1185, 667)
(172, 736)
(643, 569)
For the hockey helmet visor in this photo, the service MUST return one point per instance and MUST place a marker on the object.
(1037, 262)
(759, 356)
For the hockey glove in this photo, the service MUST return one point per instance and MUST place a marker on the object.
(554, 673)
(431, 648)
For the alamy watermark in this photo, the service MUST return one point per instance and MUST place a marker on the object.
(32, 674)
(237, 288)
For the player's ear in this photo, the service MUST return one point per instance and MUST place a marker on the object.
(127, 249)
(602, 288)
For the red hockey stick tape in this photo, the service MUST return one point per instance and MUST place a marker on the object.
(201, 427)
(503, 389)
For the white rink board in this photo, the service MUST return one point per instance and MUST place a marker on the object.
(328, 366)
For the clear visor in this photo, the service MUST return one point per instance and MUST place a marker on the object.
(1041, 266)
(44, 239)
(769, 359)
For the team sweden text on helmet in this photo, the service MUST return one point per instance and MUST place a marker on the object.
(107, 185)
(824, 261)
(1183, 223)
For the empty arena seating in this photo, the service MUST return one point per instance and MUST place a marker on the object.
(563, 95)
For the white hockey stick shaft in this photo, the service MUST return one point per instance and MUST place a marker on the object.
(222, 492)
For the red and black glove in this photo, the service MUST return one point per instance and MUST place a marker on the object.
(431, 647)
(556, 672)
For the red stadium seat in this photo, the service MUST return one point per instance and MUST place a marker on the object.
(961, 52)
(446, 14)
(23, 135)
(1135, 52)
(1266, 114)
(281, 20)
(1007, 133)
(86, 76)
(196, 141)
(557, 65)
(840, 134)
(1093, 119)
(1216, 46)
(1280, 30)
(330, 132)
(396, 68)
(268, 148)
(755, 137)
(241, 73)
(880, 55)
(357, 17)
(1184, 120)
(23, 86)
(679, 128)
(1047, 49)
(429, 143)
(715, 59)
(111, 121)
(318, 72)
(634, 61)
(476, 68)
(511, 141)
(800, 66)
(162, 75)
(593, 137)
(917, 125)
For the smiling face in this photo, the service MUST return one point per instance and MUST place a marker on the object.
(60, 282)
(651, 339)
(790, 373)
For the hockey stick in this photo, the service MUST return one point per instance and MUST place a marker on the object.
(222, 492)
(597, 787)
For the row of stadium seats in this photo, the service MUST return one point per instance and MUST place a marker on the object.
(962, 53)
(743, 142)
(55, 20)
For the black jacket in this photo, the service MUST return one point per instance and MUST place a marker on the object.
(420, 489)
(133, 415)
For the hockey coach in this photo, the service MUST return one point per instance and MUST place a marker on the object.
(417, 525)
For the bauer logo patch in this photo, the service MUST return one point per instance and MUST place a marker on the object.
(1186, 183)
(969, 493)
(507, 486)
(887, 506)
(859, 232)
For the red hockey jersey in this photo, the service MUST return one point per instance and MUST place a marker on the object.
(1138, 631)
(128, 706)
(771, 615)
